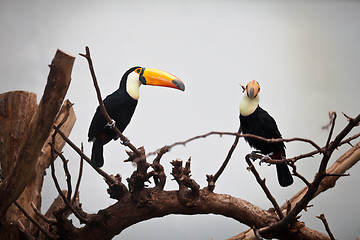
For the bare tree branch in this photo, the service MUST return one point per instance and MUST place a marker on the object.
(263, 186)
(76, 192)
(349, 119)
(211, 179)
(295, 173)
(43, 217)
(332, 120)
(323, 219)
(183, 143)
(81, 218)
(48, 235)
(86, 158)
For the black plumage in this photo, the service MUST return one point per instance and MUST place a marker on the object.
(260, 123)
(120, 107)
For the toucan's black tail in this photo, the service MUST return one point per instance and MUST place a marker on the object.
(97, 157)
(284, 175)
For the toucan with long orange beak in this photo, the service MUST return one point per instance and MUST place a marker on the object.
(121, 105)
(255, 120)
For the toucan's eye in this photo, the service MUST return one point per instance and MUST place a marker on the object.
(138, 70)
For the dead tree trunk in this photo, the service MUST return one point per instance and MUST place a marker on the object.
(24, 152)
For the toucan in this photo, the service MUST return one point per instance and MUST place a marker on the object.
(121, 105)
(255, 120)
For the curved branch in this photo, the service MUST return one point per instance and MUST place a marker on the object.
(161, 203)
(237, 134)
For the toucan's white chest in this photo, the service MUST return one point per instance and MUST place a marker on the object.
(133, 85)
(248, 105)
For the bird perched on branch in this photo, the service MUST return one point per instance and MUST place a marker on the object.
(255, 120)
(121, 105)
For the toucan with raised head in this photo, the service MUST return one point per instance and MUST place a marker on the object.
(121, 105)
(255, 120)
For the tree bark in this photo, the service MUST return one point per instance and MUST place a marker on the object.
(111, 221)
(25, 128)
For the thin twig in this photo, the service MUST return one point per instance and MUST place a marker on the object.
(43, 217)
(332, 120)
(213, 178)
(86, 158)
(76, 192)
(272, 140)
(66, 169)
(336, 175)
(349, 139)
(295, 173)
(349, 119)
(264, 187)
(231, 150)
(101, 104)
(48, 235)
(323, 219)
(352, 123)
(81, 218)
(310, 154)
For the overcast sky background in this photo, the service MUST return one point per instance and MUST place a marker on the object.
(305, 55)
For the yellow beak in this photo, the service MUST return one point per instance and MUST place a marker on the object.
(252, 89)
(150, 76)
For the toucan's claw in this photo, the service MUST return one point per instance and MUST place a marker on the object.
(126, 142)
(254, 155)
(111, 125)
(265, 157)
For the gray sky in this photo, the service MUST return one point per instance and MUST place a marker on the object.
(305, 55)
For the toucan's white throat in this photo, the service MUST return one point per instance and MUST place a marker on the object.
(249, 105)
(133, 85)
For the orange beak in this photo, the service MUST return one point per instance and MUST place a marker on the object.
(252, 89)
(155, 77)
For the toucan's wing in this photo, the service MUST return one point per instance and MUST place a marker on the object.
(97, 121)
(113, 103)
(120, 107)
(270, 128)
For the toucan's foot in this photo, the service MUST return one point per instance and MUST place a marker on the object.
(111, 125)
(254, 155)
(265, 157)
(126, 142)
